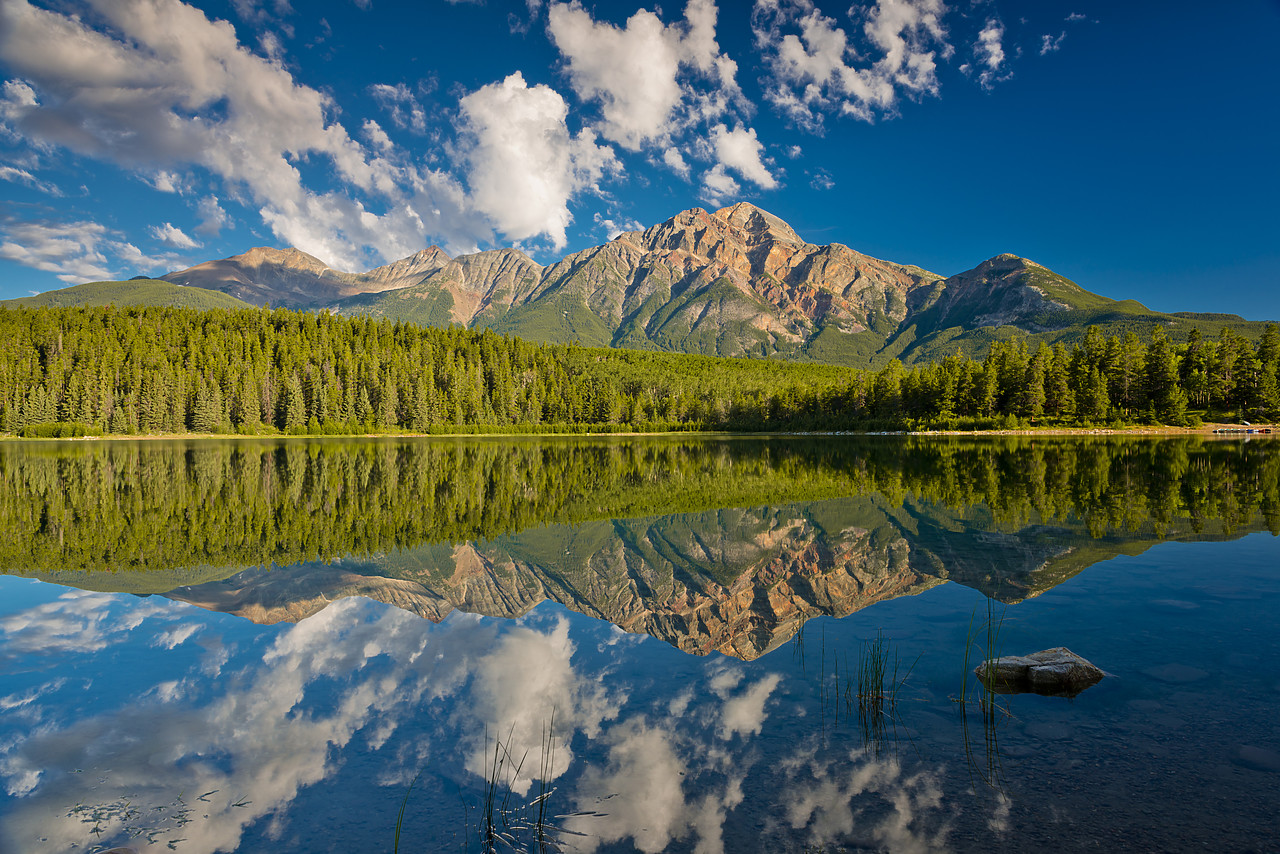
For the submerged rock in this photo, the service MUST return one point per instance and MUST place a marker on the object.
(1056, 672)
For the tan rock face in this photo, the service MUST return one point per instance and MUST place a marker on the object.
(476, 282)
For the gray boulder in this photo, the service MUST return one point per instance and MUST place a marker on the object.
(1056, 672)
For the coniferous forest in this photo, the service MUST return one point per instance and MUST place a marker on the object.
(74, 371)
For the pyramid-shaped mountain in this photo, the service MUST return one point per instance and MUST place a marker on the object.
(733, 282)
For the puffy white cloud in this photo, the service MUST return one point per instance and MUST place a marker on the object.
(650, 79)
(675, 162)
(718, 187)
(523, 165)
(376, 136)
(830, 798)
(524, 686)
(172, 235)
(654, 767)
(163, 85)
(646, 773)
(167, 182)
(745, 713)
(817, 69)
(739, 150)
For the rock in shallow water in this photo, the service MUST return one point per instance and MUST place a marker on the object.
(1056, 672)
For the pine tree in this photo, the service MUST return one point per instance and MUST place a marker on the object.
(293, 409)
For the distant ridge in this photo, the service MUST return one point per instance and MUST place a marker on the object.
(738, 281)
(292, 278)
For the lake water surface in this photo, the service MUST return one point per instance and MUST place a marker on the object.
(636, 644)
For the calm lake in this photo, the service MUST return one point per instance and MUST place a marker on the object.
(650, 644)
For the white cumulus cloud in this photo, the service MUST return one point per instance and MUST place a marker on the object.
(649, 78)
(719, 187)
(162, 85)
(739, 150)
(675, 162)
(523, 165)
(815, 68)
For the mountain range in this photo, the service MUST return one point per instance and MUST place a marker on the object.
(734, 282)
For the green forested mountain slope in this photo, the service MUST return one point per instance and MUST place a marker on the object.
(135, 292)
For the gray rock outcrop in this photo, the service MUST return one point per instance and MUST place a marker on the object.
(1056, 672)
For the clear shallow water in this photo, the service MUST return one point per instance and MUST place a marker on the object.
(154, 720)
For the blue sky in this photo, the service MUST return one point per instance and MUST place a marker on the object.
(1129, 146)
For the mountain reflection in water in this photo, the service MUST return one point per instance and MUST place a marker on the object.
(142, 720)
(725, 545)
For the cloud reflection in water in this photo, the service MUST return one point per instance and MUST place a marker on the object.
(361, 696)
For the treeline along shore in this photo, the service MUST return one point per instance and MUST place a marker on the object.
(157, 506)
(77, 371)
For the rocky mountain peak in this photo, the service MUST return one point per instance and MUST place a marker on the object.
(760, 224)
(407, 271)
(1005, 262)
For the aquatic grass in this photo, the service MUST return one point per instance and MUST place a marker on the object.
(878, 685)
(403, 806)
(868, 687)
(502, 821)
(797, 642)
(984, 640)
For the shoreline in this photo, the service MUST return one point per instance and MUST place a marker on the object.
(1207, 429)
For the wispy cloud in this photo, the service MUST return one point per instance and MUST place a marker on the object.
(173, 236)
(988, 52)
(22, 176)
(1051, 44)
(402, 105)
(82, 251)
(73, 251)
(212, 217)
